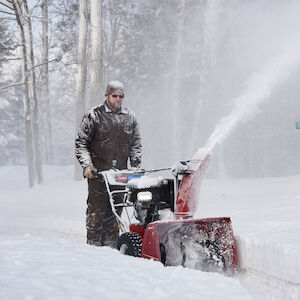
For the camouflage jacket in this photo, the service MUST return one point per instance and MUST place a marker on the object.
(105, 136)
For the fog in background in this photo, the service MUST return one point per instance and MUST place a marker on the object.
(185, 70)
(228, 46)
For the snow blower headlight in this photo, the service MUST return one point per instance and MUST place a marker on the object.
(144, 196)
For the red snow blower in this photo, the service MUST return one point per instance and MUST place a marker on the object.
(164, 208)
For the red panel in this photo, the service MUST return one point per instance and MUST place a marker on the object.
(150, 248)
(214, 229)
(139, 229)
(187, 199)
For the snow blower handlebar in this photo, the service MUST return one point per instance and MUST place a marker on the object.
(116, 183)
(117, 180)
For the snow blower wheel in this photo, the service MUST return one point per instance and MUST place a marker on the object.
(130, 243)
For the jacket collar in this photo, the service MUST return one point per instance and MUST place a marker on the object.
(108, 110)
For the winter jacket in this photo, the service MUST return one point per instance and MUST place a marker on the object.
(105, 136)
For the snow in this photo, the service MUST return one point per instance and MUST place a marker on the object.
(265, 216)
(116, 84)
(144, 182)
(56, 268)
(258, 90)
(44, 256)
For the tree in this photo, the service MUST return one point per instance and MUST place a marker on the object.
(96, 51)
(23, 16)
(45, 84)
(11, 107)
(27, 116)
(176, 86)
(81, 75)
(37, 151)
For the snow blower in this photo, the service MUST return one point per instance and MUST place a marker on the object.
(164, 208)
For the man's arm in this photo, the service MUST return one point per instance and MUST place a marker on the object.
(83, 140)
(136, 145)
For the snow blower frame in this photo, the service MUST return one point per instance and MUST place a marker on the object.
(166, 231)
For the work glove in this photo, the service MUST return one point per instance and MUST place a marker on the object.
(135, 162)
(87, 173)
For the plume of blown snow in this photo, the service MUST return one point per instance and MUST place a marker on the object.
(258, 89)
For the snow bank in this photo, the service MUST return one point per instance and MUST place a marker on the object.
(265, 216)
(272, 264)
(271, 257)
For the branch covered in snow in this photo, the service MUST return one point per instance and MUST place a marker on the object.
(11, 85)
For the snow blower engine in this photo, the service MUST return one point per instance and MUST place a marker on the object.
(166, 230)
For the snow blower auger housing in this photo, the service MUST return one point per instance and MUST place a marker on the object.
(164, 208)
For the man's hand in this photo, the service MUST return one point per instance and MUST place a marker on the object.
(135, 162)
(87, 173)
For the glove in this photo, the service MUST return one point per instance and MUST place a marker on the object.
(87, 173)
(135, 162)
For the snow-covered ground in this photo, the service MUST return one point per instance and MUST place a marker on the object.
(43, 254)
(265, 213)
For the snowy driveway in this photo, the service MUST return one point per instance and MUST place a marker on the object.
(44, 255)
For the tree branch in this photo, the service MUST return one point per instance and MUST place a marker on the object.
(11, 85)
(8, 59)
(34, 7)
(7, 12)
(6, 5)
(56, 59)
(8, 47)
(8, 18)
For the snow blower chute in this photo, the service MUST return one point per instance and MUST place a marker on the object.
(164, 207)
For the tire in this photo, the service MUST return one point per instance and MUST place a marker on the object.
(130, 243)
(163, 255)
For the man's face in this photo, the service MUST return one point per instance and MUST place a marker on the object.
(115, 101)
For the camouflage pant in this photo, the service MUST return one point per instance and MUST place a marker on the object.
(102, 227)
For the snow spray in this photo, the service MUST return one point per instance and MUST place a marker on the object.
(257, 90)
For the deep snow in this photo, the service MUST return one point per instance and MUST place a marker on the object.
(44, 255)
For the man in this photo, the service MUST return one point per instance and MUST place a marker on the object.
(107, 133)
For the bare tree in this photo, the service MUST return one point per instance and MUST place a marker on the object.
(82, 70)
(45, 84)
(38, 162)
(176, 108)
(210, 18)
(96, 50)
(211, 13)
(29, 138)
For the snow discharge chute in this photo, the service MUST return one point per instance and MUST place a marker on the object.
(189, 189)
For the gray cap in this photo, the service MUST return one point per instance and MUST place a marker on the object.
(114, 86)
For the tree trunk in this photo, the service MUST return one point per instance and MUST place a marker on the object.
(175, 101)
(26, 99)
(82, 72)
(38, 162)
(96, 42)
(45, 85)
(210, 16)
